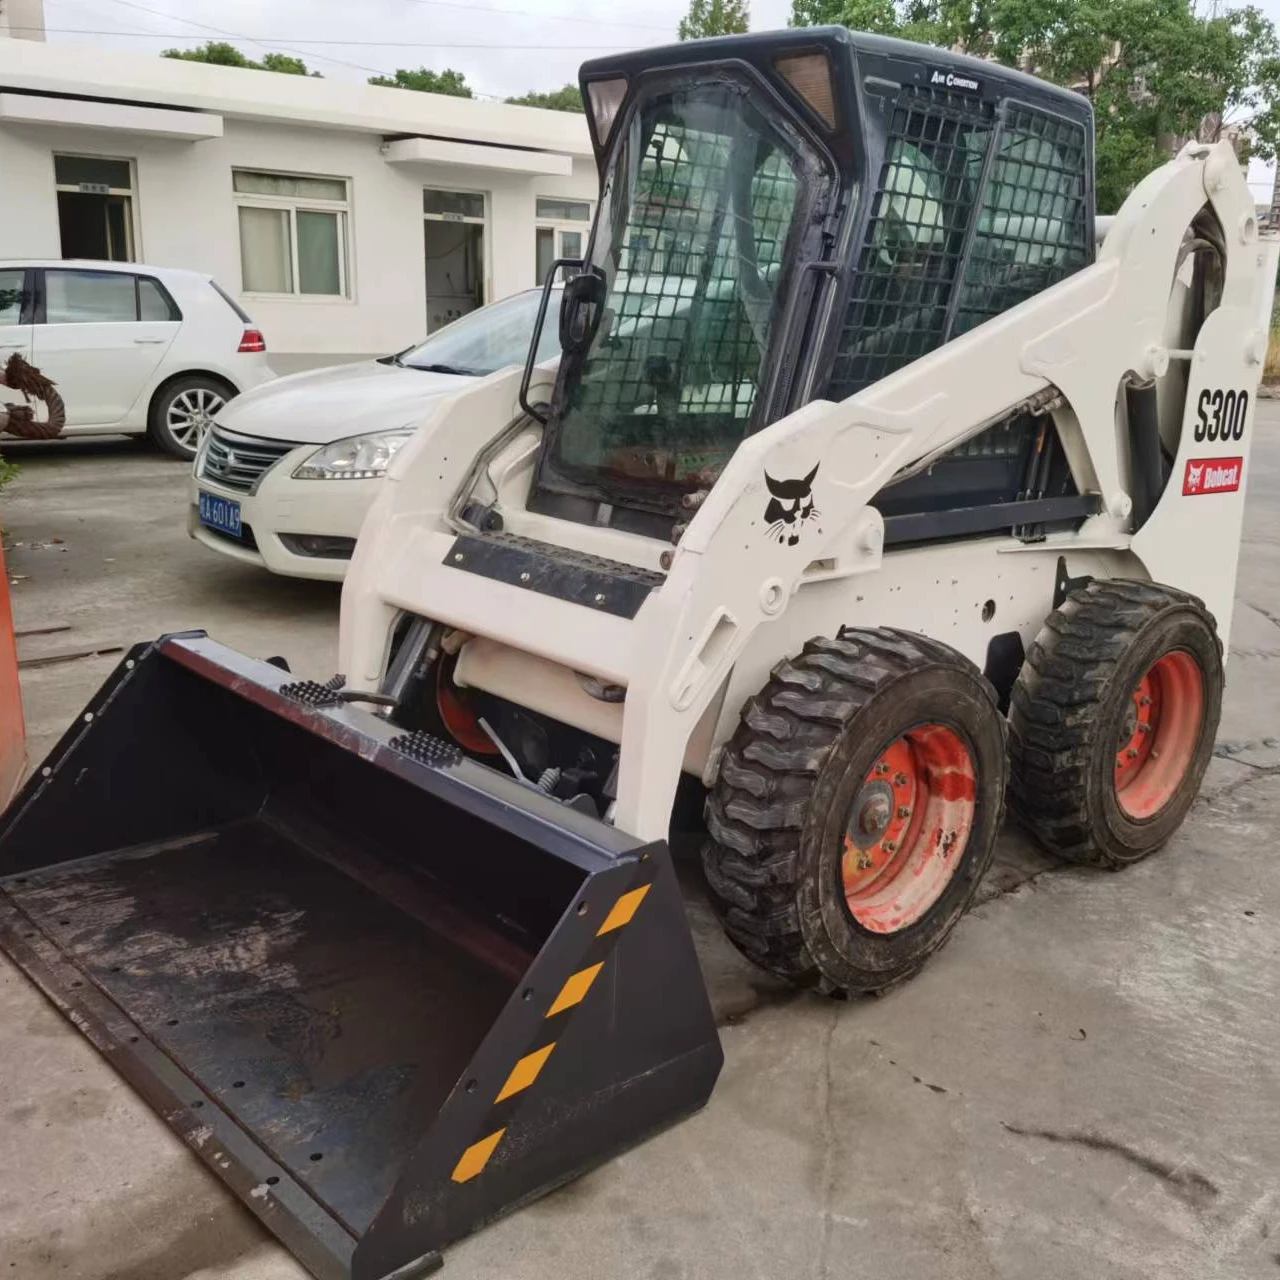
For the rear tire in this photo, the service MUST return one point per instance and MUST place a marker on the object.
(856, 809)
(183, 411)
(1113, 720)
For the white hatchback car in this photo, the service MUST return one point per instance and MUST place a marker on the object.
(132, 349)
(287, 473)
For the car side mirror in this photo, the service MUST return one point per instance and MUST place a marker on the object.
(581, 309)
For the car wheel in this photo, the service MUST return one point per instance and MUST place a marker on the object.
(183, 411)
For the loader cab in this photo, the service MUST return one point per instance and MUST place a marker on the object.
(791, 216)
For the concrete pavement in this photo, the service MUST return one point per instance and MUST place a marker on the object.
(1085, 1082)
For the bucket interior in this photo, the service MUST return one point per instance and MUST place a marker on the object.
(320, 943)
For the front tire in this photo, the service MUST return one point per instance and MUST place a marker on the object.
(183, 411)
(1113, 720)
(856, 809)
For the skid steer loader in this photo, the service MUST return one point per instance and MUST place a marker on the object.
(855, 444)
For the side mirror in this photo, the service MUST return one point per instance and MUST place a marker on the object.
(580, 310)
(568, 264)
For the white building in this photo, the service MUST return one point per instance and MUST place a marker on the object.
(349, 220)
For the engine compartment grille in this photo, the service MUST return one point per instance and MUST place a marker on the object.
(239, 462)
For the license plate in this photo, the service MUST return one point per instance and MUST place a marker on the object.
(222, 514)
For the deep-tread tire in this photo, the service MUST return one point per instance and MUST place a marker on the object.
(158, 431)
(1067, 710)
(778, 810)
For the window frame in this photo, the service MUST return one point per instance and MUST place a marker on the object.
(481, 220)
(293, 205)
(130, 193)
(474, 219)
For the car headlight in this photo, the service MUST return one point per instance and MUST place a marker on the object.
(355, 458)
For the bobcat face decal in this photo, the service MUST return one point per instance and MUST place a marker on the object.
(1193, 474)
(790, 507)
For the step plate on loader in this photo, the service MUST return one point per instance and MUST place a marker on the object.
(383, 998)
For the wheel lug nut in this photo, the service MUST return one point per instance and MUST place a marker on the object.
(900, 779)
(1133, 753)
(904, 812)
(1144, 701)
(889, 846)
(1144, 728)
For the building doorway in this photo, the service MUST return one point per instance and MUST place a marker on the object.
(95, 207)
(453, 240)
(561, 232)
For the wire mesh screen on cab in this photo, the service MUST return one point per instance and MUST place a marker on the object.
(956, 237)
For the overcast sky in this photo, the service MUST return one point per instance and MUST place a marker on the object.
(504, 47)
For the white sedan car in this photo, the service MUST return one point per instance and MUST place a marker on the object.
(132, 349)
(287, 473)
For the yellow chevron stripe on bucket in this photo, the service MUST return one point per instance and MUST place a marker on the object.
(575, 990)
(476, 1156)
(625, 907)
(525, 1072)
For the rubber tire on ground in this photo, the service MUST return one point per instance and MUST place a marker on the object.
(1068, 707)
(157, 420)
(784, 791)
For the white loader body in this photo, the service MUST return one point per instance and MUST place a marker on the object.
(735, 600)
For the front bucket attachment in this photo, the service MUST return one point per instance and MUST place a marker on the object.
(384, 992)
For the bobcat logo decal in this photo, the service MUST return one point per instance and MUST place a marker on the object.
(790, 507)
(1193, 474)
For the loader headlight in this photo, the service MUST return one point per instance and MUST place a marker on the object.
(355, 458)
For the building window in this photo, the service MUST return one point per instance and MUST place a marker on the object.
(561, 231)
(293, 233)
(453, 206)
(95, 207)
(453, 234)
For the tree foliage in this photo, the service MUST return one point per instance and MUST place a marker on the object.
(567, 99)
(453, 83)
(1156, 71)
(714, 18)
(222, 54)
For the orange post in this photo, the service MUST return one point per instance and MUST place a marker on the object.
(13, 733)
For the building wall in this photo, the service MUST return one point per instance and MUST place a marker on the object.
(22, 19)
(185, 216)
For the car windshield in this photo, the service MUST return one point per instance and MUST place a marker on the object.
(492, 338)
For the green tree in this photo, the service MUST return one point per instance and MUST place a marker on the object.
(714, 18)
(284, 63)
(222, 54)
(453, 83)
(818, 13)
(567, 99)
(1156, 71)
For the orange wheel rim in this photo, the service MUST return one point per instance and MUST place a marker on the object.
(1160, 734)
(908, 828)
